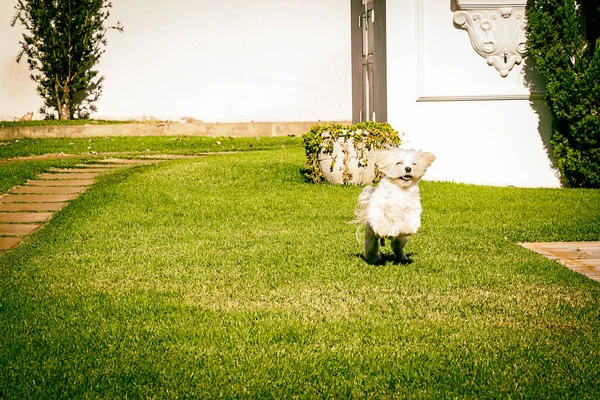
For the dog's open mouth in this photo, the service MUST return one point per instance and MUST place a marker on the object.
(406, 177)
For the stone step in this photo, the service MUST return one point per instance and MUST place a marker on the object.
(52, 189)
(90, 175)
(98, 166)
(9, 243)
(130, 161)
(36, 198)
(581, 257)
(76, 170)
(167, 157)
(25, 217)
(18, 229)
(63, 182)
(31, 206)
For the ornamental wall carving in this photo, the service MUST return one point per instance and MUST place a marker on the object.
(496, 30)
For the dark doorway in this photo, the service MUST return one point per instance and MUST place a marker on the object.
(369, 77)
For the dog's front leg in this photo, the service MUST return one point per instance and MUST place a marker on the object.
(398, 245)
(371, 253)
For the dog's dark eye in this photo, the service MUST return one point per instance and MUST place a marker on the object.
(399, 163)
(414, 163)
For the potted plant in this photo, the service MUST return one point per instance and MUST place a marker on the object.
(342, 154)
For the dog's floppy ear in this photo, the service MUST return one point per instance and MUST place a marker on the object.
(384, 159)
(427, 159)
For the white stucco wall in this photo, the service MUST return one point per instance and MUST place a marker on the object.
(430, 63)
(225, 61)
(17, 92)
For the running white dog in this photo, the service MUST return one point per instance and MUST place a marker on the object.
(392, 210)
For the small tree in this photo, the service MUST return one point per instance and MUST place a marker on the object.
(64, 41)
(563, 40)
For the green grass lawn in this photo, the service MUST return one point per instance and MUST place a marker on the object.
(146, 145)
(228, 276)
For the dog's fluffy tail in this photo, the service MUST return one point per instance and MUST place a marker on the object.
(360, 210)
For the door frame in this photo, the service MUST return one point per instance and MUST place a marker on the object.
(380, 61)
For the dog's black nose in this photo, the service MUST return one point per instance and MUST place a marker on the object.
(407, 169)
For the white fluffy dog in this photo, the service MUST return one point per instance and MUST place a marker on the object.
(392, 210)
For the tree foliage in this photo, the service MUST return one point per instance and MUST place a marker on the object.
(563, 40)
(63, 43)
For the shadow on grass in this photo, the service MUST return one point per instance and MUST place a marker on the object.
(386, 258)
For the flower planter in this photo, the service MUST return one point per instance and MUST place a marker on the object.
(344, 165)
(343, 154)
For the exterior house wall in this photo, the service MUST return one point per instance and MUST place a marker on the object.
(276, 61)
(225, 61)
(17, 92)
(447, 100)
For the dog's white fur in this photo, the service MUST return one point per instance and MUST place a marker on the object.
(392, 210)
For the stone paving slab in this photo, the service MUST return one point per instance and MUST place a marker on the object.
(32, 206)
(61, 182)
(99, 166)
(18, 229)
(76, 170)
(36, 198)
(160, 157)
(581, 257)
(25, 217)
(9, 243)
(593, 263)
(45, 189)
(130, 161)
(87, 175)
(563, 245)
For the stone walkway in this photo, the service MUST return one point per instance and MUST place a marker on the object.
(581, 257)
(24, 209)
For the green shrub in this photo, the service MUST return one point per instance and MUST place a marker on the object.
(563, 41)
(366, 136)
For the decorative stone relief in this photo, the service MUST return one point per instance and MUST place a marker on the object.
(496, 29)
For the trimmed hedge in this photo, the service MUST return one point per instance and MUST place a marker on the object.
(563, 41)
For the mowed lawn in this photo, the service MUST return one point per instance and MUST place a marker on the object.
(228, 276)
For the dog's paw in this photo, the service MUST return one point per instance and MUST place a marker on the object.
(373, 260)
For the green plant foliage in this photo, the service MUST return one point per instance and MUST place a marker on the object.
(563, 41)
(365, 136)
(64, 41)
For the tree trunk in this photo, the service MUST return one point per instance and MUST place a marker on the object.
(64, 113)
(65, 110)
